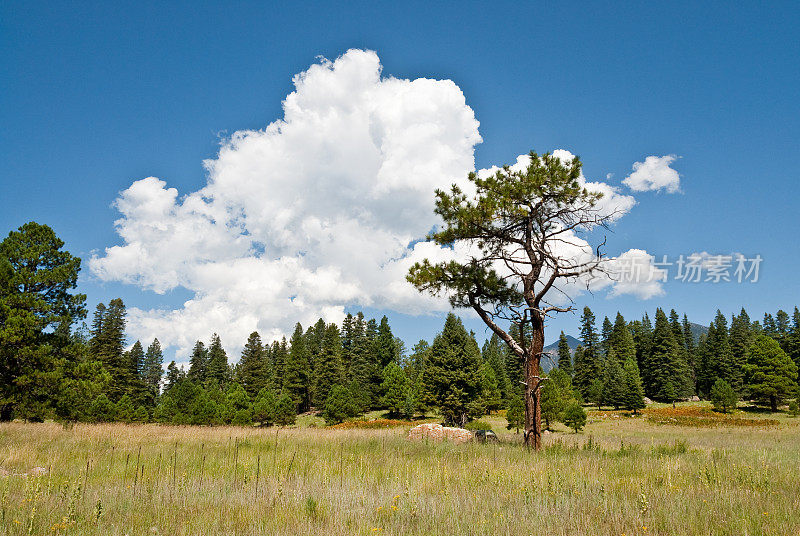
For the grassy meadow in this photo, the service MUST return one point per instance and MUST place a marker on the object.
(682, 471)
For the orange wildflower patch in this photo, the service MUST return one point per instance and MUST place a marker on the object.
(703, 417)
(374, 423)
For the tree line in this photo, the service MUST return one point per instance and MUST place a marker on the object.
(755, 360)
(52, 365)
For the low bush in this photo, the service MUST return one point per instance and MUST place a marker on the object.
(478, 425)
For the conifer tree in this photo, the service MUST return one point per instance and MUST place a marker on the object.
(285, 410)
(205, 410)
(564, 356)
(490, 397)
(198, 363)
(314, 338)
(348, 338)
(174, 376)
(793, 339)
(643, 340)
(691, 349)
(515, 413)
(771, 374)
(671, 378)
(493, 354)
(575, 416)
(252, 368)
(581, 378)
(37, 309)
(96, 341)
(723, 396)
(125, 409)
(217, 369)
(339, 405)
(514, 365)
(278, 356)
(238, 410)
(556, 395)
(589, 367)
(781, 325)
(613, 381)
(152, 367)
(298, 370)
(705, 375)
(606, 335)
(328, 368)
(452, 375)
(417, 359)
(395, 388)
(135, 359)
(740, 338)
(415, 372)
(102, 409)
(365, 371)
(385, 345)
(357, 348)
(109, 343)
(588, 331)
(264, 407)
(719, 358)
(622, 340)
(634, 392)
(770, 329)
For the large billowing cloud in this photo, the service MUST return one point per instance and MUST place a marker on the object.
(318, 211)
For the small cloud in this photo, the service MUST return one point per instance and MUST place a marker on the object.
(654, 173)
(636, 273)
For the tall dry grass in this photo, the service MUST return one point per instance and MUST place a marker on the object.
(622, 476)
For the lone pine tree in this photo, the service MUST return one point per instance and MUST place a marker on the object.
(771, 374)
(36, 281)
(516, 219)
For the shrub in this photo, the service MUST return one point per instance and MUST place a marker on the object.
(285, 411)
(236, 400)
(204, 410)
(478, 425)
(339, 405)
(556, 395)
(515, 413)
(264, 407)
(723, 397)
(575, 416)
(141, 414)
(102, 410)
(125, 409)
(242, 418)
(794, 411)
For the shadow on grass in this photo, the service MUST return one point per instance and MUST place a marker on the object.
(759, 410)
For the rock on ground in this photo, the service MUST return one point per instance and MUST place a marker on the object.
(437, 432)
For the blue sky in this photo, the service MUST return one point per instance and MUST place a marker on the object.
(99, 95)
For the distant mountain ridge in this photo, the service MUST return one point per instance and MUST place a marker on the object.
(550, 360)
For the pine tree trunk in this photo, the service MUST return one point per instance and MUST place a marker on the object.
(773, 403)
(533, 407)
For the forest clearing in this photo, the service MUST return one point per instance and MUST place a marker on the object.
(621, 475)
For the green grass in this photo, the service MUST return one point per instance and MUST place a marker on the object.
(622, 475)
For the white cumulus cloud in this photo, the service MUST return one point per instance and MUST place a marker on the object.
(316, 212)
(654, 173)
